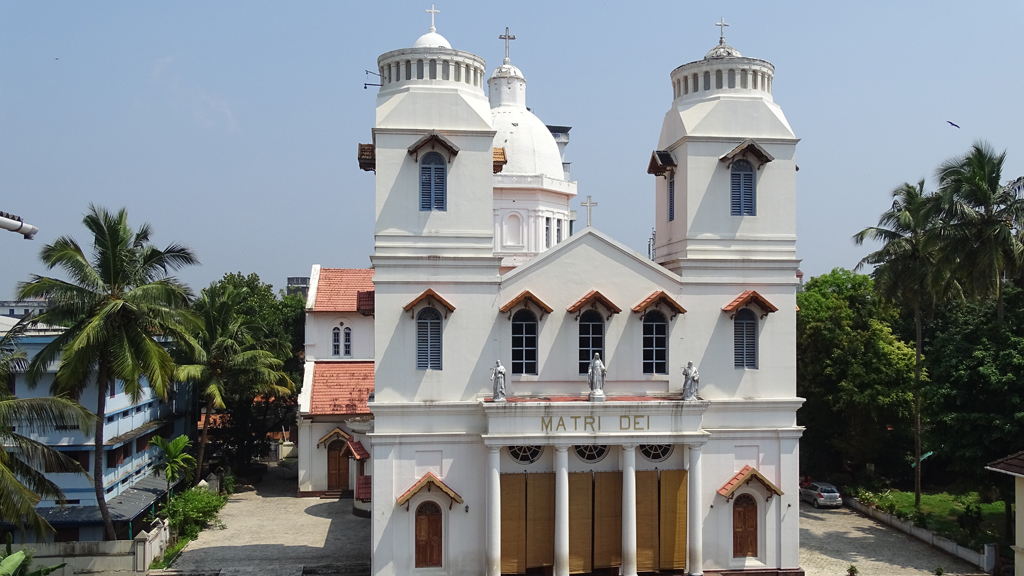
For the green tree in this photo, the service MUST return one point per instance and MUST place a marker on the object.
(175, 461)
(855, 375)
(116, 308)
(22, 462)
(232, 357)
(980, 219)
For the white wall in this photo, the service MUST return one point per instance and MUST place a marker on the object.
(319, 327)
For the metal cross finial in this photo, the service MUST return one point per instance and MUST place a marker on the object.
(432, 12)
(506, 37)
(588, 205)
(721, 25)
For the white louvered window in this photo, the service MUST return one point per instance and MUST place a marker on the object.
(336, 342)
(743, 192)
(348, 341)
(745, 339)
(524, 342)
(433, 182)
(591, 338)
(428, 339)
(655, 343)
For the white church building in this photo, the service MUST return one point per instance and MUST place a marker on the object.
(476, 261)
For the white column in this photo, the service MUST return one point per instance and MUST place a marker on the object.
(494, 511)
(561, 511)
(628, 510)
(695, 511)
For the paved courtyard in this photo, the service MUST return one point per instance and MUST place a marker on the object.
(831, 540)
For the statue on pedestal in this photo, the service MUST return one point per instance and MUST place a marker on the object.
(690, 380)
(498, 378)
(595, 377)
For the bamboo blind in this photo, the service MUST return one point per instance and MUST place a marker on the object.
(607, 519)
(540, 520)
(673, 519)
(647, 559)
(513, 523)
(581, 515)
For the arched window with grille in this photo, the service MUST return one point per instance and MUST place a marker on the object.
(655, 343)
(744, 327)
(336, 342)
(429, 535)
(591, 338)
(524, 342)
(428, 339)
(433, 182)
(743, 191)
(347, 341)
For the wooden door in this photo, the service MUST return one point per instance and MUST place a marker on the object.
(513, 523)
(647, 556)
(337, 466)
(581, 516)
(744, 527)
(428, 535)
(673, 520)
(607, 519)
(540, 520)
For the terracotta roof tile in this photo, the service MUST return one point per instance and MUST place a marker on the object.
(525, 295)
(591, 296)
(429, 293)
(747, 474)
(747, 297)
(338, 289)
(358, 450)
(659, 296)
(341, 388)
(428, 478)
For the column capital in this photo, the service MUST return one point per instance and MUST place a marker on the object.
(695, 447)
(629, 446)
(561, 447)
(493, 449)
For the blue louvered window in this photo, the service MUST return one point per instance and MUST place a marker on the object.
(428, 339)
(744, 193)
(672, 197)
(744, 329)
(433, 182)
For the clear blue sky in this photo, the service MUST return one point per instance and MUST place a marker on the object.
(232, 126)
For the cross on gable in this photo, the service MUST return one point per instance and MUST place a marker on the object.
(721, 25)
(506, 37)
(432, 12)
(588, 205)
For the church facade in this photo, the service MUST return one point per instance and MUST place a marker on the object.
(488, 450)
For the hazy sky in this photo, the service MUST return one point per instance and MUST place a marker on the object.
(232, 126)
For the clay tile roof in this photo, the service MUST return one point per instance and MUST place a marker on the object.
(429, 293)
(661, 162)
(499, 159)
(341, 388)
(747, 474)
(435, 139)
(590, 297)
(357, 449)
(746, 298)
(336, 433)
(367, 157)
(1013, 465)
(525, 295)
(428, 478)
(662, 297)
(338, 289)
(751, 146)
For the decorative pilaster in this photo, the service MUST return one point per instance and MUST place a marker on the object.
(695, 511)
(561, 511)
(629, 510)
(494, 511)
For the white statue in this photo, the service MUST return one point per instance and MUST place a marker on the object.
(595, 377)
(498, 377)
(690, 380)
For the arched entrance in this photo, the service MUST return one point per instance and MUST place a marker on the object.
(744, 527)
(428, 535)
(337, 466)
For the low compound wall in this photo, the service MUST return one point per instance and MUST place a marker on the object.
(985, 560)
(112, 556)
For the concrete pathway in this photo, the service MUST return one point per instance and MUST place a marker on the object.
(831, 540)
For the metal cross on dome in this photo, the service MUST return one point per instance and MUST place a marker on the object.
(721, 25)
(506, 37)
(432, 12)
(588, 205)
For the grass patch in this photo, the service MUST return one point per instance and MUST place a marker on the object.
(963, 518)
(169, 555)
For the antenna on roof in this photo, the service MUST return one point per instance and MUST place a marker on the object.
(365, 84)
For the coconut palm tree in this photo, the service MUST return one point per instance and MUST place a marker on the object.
(23, 460)
(118, 307)
(906, 270)
(176, 461)
(980, 219)
(233, 356)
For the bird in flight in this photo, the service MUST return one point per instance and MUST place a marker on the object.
(951, 124)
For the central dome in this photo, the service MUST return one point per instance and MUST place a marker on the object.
(431, 40)
(529, 146)
(723, 50)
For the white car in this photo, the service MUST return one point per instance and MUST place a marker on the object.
(821, 494)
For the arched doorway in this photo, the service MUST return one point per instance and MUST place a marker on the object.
(337, 466)
(428, 535)
(744, 527)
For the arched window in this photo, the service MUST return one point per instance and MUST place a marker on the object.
(433, 182)
(655, 343)
(672, 196)
(707, 80)
(428, 535)
(348, 341)
(743, 192)
(718, 78)
(744, 527)
(513, 230)
(336, 342)
(428, 339)
(744, 328)
(524, 342)
(591, 338)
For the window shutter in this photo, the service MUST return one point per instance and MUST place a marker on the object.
(440, 200)
(426, 196)
(672, 198)
(748, 193)
(750, 344)
(736, 198)
(422, 344)
(435, 345)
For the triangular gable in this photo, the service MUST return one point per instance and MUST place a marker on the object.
(525, 297)
(592, 298)
(429, 293)
(745, 476)
(747, 148)
(426, 481)
(661, 162)
(656, 298)
(336, 433)
(744, 300)
(434, 139)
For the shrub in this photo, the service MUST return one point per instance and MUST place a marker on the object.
(227, 485)
(921, 519)
(970, 520)
(852, 571)
(189, 511)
